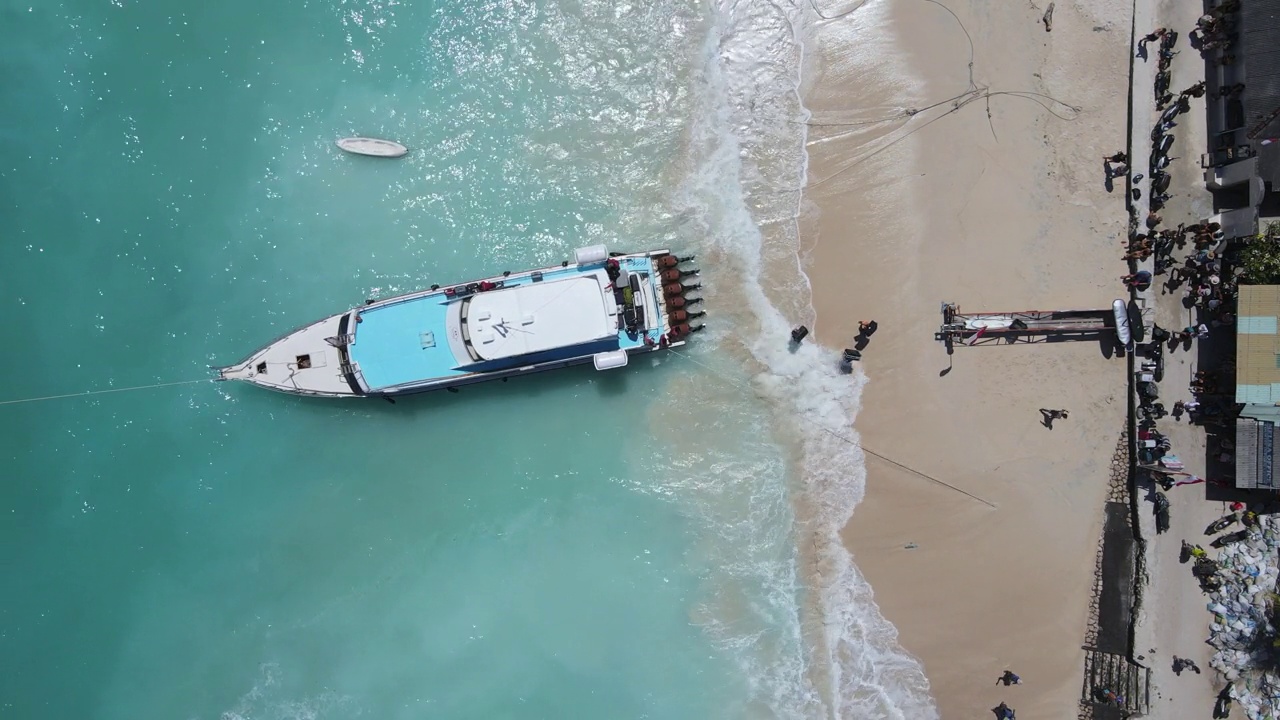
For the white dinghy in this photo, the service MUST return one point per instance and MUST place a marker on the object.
(372, 147)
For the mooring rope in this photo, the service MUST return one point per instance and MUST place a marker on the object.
(845, 438)
(717, 376)
(87, 393)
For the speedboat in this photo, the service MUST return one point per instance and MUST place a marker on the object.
(601, 308)
(372, 147)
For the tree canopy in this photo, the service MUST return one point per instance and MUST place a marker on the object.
(1261, 257)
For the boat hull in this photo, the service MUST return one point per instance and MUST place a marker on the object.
(372, 147)
(323, 359)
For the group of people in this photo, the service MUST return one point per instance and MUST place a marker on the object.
(1213, 29)
(1003, 711)
(1209, 288)
(1116, 165)
(1163, 243)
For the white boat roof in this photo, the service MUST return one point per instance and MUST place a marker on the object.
(541, 316)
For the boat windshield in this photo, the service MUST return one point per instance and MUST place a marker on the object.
(464, 311)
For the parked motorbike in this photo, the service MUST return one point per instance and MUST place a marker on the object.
(1162, 513)
(1221, 524)
(1230, 539)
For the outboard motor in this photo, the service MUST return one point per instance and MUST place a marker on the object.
(674, 289)
(798, 335)
(674, 275)
(680, 302)
(847, 360)
(679, 316)
(670, 261)
(682, 330)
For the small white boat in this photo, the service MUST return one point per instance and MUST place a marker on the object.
(372, 147)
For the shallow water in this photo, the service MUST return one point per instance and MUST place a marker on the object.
(577, 545)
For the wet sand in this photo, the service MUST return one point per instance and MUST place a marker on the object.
(909, 205)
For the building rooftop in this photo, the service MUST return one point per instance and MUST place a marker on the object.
(1258, 345)
(1255, 454)
(1259, 46)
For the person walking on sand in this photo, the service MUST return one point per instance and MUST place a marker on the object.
(1009, 678)
(1050, 416)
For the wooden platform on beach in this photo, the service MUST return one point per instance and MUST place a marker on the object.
(1129, 681)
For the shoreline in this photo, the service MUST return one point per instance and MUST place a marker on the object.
(906, 209)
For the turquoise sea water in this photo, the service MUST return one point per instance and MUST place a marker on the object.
(572, 545)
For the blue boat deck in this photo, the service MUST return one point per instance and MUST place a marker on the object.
(406, 341)
(389, 346)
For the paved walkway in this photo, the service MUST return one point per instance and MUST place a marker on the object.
(1173, 620)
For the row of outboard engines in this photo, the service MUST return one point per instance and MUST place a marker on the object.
(676, 293)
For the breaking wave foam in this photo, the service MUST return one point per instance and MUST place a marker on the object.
(741, 195)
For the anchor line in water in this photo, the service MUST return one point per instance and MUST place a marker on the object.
(848, 440)
(87, 393)
(829, 431)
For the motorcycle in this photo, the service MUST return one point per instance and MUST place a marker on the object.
(1205, 568)
(1221, 524)
(1162, 513)
(1231, 539)
(1154, 411)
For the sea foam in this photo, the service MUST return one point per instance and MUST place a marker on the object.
(741, 195)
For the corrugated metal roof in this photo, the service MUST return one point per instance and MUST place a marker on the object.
(1255, 454)
(1246, 453)
(1259, 44)
(1258, 353)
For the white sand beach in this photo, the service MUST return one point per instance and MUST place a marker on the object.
(997, 205)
